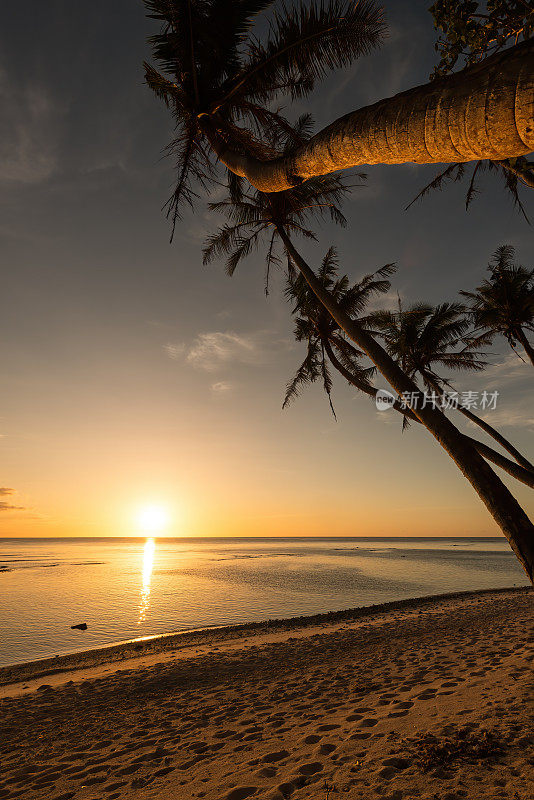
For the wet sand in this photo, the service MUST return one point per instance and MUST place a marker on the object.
(428, 698)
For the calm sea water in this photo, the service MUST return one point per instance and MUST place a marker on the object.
(129, 588)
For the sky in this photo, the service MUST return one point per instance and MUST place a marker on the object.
(132, 375)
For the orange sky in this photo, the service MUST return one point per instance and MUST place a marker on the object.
(132, 375)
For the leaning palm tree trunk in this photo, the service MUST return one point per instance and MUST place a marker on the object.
(483, 112)
(490, 430)
(529, 350)
(499, 501)
(518, 472)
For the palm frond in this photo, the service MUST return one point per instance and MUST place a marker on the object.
(307, 373)
(305, 42)
(440, 179)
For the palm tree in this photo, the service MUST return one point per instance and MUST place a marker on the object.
(423, 339)
(257, 218)
(504, 303)
(281, 213)
(321, 333)
(483, 112)
(214, 72)
(322, 336)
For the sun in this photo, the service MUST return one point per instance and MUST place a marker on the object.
(152, 519)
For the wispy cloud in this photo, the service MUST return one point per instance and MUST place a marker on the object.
(28, 133)
(215, 350)
(516, 415)
(221, 388)
(389, 301)
(174, 351)
(509, 370)
(5, 505)
(211, 350)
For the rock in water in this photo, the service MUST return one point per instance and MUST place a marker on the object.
(81, 627)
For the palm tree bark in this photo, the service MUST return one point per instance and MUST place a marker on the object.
(490, 430)
(483, 112)
(529, 350)
(518, 472)
(499, 501)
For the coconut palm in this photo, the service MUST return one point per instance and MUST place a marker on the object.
(490, 103)
(257, 218)
(424, 340)
(514, 172)
(323, 337)
(315, 326)
(504, 303)
(280, 214)
(214, 73)
(214, 70)
(470, 33)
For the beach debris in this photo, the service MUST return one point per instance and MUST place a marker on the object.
(82, 626)
(461, 745)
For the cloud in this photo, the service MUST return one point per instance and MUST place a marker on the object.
(511, 369)
(28, 133)
(518, 415)
(9, 507)
(6, 505)
(389, 301)
(174, 351)
(213, 351)
(221, 387)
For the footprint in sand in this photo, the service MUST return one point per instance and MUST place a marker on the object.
(369, 722)
(277, 756)
(311, 769)
(326, 749)
(240, 792)
(266, 772)
(428, 694)
(313, 738)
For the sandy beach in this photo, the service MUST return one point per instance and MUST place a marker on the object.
(428, 698)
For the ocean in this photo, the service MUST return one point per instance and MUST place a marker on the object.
(126, 589)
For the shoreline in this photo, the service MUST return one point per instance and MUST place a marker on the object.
(428, 697)
(173, 642)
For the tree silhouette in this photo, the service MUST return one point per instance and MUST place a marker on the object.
(215, 66)
(504, 303)
(425, 339)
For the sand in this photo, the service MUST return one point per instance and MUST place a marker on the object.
(421, 699)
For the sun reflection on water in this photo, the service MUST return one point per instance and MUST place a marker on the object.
(148, 564)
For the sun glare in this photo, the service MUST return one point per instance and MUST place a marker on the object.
(152, 519)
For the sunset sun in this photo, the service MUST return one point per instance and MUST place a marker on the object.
(152, 518)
